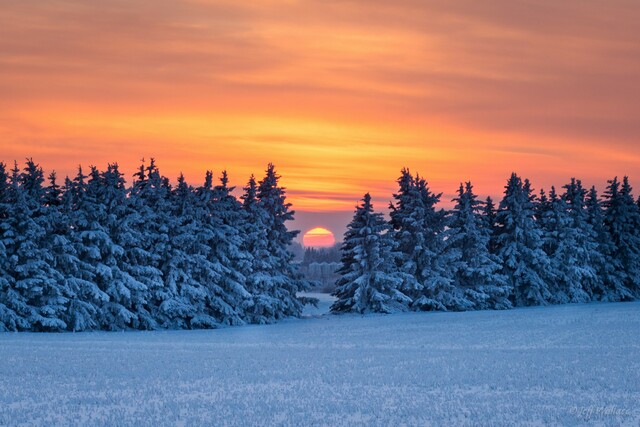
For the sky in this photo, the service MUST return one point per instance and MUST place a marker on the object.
(340, 95)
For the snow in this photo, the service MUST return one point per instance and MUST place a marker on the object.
(566, 365)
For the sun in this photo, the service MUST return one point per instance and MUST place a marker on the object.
(318, 237)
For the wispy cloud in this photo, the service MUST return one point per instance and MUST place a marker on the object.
(340, 93)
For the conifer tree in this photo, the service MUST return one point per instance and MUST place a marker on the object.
(417, 228)
(369, 279)
(225, 218)
(190, 277)
(35, 278)
(14, 310)
(622, 219)
(81, 312)
(285, 281)
(263, 306)
(578, 250)
(476, 272)
(519, 241)
(610, 284)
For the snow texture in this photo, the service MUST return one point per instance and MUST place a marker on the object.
(556, 365)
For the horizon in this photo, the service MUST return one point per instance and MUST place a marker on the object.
(334, 221)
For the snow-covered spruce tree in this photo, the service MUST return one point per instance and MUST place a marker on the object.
(610, 284)
(551, 217)
(408, 218)
(148, 248)
(569, 241)
(577, 250)
(84, 296)
(546, 220)
(90, 206)
(417, 229)
(622, 219)
(476, 272)
(226, 219)
(489, 222)
(14, 310)
(190, 276)
(197, 272)
(283, 279)
(263, 306)
(519, 242)
(370, 280)
(126, 222)
(39, 284)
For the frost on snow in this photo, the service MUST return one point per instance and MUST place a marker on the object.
(569, 365)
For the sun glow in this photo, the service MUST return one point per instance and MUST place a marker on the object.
(319, 237)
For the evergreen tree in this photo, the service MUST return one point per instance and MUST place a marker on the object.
(53, 193)
(39, 284)
(622, 219)
(610, 284)
(550, 214)
(476, 272)
(148, 247)
(263, 307)
(14, 310)
(370, 281)
(576, 249)
(226, 217)
(489, 222)
(102, 259)
(284, 280)
(83, 295)
(417, 228)
(519, 241)
(190, 277)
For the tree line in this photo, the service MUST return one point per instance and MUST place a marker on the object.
(555, 248)
(94, 253)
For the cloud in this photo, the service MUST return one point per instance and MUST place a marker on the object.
(341, 94)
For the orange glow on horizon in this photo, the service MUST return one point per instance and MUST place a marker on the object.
(318, 237)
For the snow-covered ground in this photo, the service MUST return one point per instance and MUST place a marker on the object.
(564, 365)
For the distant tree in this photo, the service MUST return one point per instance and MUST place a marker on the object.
(370, 281)
(321, 255)
(476, 271)
(520, 242)
(297, 250)
(489, 222)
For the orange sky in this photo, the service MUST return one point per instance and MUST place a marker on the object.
(339, 94)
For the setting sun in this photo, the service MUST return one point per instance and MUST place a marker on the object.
(319, 237)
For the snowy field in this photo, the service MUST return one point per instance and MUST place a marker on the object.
(563, 365)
